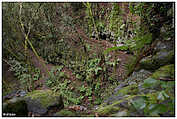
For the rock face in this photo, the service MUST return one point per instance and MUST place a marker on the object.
(167, 45)
(132, 96)
(116, 104)
(38, 103)
(165, 72)
(163, 55)
(160, 59)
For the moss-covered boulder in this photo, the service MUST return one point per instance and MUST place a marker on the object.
(117, 102)
(134, 93)
(160, 59)
(163, 72)
(65, 113)
(131, 89)
(17, 107)
(40, 101)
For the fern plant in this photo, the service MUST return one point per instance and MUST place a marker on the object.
(25, 76)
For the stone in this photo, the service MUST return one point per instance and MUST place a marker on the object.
(160, 59)
(116, 104)
(163, 72)
(40, 101)
(166, 45)
(17, 108)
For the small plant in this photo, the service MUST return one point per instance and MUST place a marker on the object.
(69, 96)
(82, 89)
(56, 75)
(88, 92)
(22, 72)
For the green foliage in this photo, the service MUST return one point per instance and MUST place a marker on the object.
(22, 72)
(157, 103)
(88, 92)
(52, 29)
(82, 89)
(59, 83)
(116, 21)
(56, 75)
(90, 18)
(67, 93)
(124, 47)
(140, 41)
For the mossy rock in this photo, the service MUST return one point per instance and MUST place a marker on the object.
(160, 59)
(39, 101)
(65, 113)
(18, 108)
(166, 71)
(114, 107)
(131, 89)
(107, 110)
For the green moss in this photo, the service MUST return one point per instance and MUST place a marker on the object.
(105, 111)
(46, 97)
(166, 58)
(65, 113)
(171, 55)
(113, 108)
(166, 71)
(131, 89)
(130, 65)
(152, 63)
